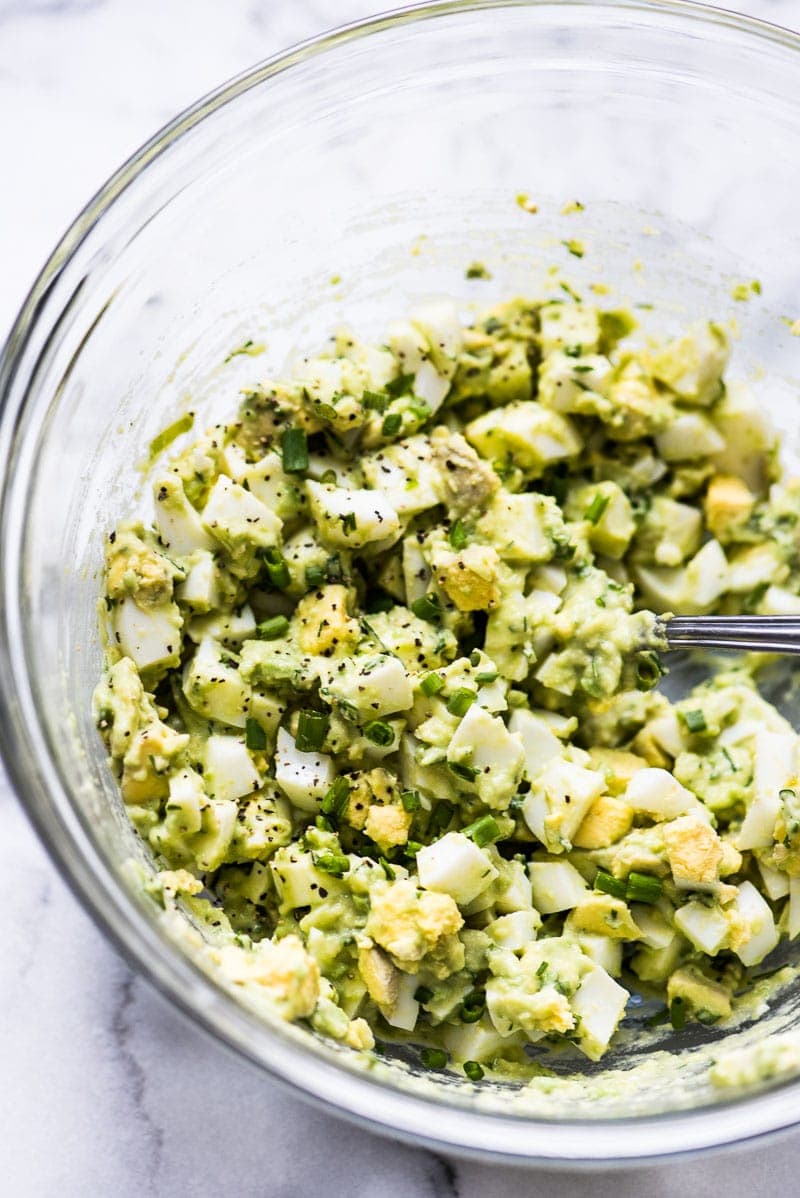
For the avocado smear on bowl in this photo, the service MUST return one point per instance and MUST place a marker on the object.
(380, 686)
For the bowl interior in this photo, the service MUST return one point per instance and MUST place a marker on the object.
(342, 185)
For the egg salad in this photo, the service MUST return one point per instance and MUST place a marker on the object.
(381, 686)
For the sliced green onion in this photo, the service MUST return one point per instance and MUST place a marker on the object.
(271, 629)
(254, 736)
(312, 728)
(410, 800)
(420, 409)
(473, 1070)
(643, 888)
(379, 732)
(277, 569)
(391, 424)
(433, 1058)
(331, 863)
(677, 1013)
(468, 772)
(387, 869)
(323, 824)
(427, 607)
(458, 534)
(440, 818)
(431, 684)
(168, 435)
(610, 885)
(315, 576)
(483, 831)
(375, 401)
(412, 848)
(648, 671)
(329, 478)
(423, 994)
(543, 968)
(461, 700)
(596, 508)
(294, 450)
(337, 798)
(348, 522)
(787, 794)
(695, 721)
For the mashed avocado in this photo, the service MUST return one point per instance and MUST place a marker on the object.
(380, 685)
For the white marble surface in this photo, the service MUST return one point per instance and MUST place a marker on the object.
(104, 1088)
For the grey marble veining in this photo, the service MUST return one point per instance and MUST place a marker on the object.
(106, 1090)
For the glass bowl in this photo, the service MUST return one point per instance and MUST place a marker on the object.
(346, 179)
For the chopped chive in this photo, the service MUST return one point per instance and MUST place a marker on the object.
(483, 831)
(412, 848)
(427, 607)
(610, 885)
(331, 863)
(348, 522)
(431, 684)
(168, 435)
(294, 449)
(379, 732)
(410, 800)
(271, 629)
(473, 1070)
(375, 401)
(337, 798)
(277, 569)
(461, 700)
(695, 721)
(487, 676)
(473, 1006)
(312, 728)
(475, 658)
(254, 736)
(440, 818)
(730, 761)
(387, 869)
(643, 888)
(391, 424)
(468, 772)
(596, 508)
(677, 1013)
(433, 1058)
(315, 576)
(323, 824)
(458, 534)
(648, 671)
(543, 968)
(423, 994)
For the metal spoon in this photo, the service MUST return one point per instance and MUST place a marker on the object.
(756, 634)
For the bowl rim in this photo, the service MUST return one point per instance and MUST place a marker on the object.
(410, 1117)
